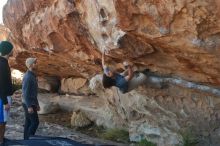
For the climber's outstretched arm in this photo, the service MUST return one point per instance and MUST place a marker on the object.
(103, 60)
(130, 73)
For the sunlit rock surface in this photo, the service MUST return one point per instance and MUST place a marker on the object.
(4, 33)
(170, 37)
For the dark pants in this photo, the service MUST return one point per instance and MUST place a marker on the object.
(31, 122)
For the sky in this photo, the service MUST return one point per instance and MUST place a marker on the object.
(2, 3)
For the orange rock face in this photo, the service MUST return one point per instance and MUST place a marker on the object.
(4, 32)
(170, 37)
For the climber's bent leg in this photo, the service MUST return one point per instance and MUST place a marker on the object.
(138, 79)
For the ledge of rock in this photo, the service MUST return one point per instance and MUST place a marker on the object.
(171, 37)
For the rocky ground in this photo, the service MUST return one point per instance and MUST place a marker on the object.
(50, 125)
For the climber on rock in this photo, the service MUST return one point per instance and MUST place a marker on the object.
(125, 81)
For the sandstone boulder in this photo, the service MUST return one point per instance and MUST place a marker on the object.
(79, 119)
(179, 38)
(74, 85)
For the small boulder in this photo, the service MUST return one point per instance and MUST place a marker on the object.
(48, 103)
(79, 119)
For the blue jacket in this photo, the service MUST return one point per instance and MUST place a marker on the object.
(30, 89)
(5, 80)
(121, 83)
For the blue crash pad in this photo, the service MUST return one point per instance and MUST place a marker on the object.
(45, 141)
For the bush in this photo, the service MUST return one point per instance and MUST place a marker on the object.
(188, 138)
(145, 142)
(118, 135)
